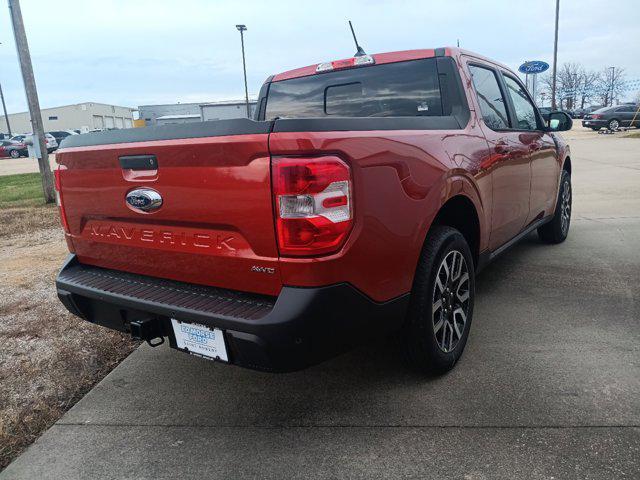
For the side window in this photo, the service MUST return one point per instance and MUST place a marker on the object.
(492, 105)
(525, 111)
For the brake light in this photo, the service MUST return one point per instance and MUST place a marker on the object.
(58, 186)
(360, 61)
(314, 213)
(596, 116)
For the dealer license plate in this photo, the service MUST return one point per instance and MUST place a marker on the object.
(200, 340)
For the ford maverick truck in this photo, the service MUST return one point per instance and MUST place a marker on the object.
(361, 200)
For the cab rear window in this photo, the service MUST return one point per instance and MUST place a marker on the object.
(402, 89)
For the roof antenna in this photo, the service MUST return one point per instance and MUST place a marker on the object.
(360, 52)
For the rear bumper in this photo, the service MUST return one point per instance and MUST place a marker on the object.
(594, 123)
(299, 328)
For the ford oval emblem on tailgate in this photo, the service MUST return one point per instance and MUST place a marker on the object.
(143, 200)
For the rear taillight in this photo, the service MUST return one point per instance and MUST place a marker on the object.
(596, 116)
(314, 212)
(58, 185)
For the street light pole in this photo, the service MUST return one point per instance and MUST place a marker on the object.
(6, 115)
(32, 99)
(613, 75)
(555, 59)
(242, 29)
(4, 108)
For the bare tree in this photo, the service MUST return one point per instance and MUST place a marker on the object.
(570, 77)
(611, 84)
(587, 89)
(544, 89)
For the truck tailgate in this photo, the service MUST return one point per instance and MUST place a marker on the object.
(215, 225)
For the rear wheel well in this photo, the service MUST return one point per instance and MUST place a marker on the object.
(460, 213)
(567, 165)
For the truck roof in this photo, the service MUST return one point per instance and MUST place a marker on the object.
(390, 57)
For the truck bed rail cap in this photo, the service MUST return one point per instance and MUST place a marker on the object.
(214, 128)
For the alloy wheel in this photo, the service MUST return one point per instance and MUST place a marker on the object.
(450, 301)
(613, 125)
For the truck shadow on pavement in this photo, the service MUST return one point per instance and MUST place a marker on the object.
(518, 368)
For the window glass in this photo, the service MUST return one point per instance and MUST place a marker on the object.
(401, 89)
(341, 99)
(494, 111)
(525, 111)
(626, 109)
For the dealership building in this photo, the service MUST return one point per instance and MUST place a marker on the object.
(194, 112)
(81, 116)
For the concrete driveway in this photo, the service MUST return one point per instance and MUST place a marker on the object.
(13, 166)
(549, 385)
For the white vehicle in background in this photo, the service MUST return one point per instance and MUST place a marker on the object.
(50, 140)
(60, 135)
(52, 143)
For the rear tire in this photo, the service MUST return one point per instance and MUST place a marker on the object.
(613, 124)
(442, 298)
(557, 229)
(14, 154)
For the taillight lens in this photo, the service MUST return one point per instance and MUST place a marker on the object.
(596, 116)
(314, 212)
(58, 185)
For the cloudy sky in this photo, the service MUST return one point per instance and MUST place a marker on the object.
(135, 52)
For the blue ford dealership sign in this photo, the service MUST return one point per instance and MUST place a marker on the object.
(536, 66)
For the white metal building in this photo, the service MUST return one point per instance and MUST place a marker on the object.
(194, 112)
(81, 116)
(227, 109)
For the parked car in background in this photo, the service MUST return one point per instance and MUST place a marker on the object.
(60, 135)
(612, 117)
(581, 112)
(10, 148)
(361, 200)
(51, 142)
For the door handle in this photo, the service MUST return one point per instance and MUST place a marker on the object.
(138, 162)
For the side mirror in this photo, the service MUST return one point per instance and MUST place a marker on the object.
(559, 122)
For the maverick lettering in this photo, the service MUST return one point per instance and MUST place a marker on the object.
(185, 238)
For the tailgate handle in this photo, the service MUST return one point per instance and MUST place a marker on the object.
(139, 162)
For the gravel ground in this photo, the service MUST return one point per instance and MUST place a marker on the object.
(48, 358)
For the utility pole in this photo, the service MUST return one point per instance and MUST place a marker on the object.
(555, 59)
(242, 29)
(613, 76)
(6, 115)
(32, 99)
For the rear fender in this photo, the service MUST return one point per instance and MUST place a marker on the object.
(456, 183)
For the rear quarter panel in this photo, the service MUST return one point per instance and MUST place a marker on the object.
(401, 180)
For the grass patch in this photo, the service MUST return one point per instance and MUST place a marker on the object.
(24, 189)
(22, 207)
(632, 135)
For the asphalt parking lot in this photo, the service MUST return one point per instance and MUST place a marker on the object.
(548, 387)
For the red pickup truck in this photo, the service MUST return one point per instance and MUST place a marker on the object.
(361, 200)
